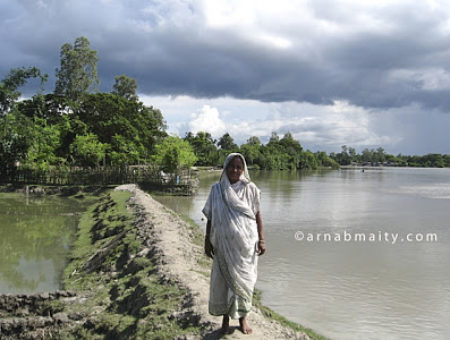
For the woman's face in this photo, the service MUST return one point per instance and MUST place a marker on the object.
(235, 169)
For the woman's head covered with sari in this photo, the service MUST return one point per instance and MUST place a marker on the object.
(245, 177)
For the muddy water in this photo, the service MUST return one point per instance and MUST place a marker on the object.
(36, 234)
(380, 288)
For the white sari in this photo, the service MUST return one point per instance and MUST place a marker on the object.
(231, 208)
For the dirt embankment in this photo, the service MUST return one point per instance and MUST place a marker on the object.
(135, 272)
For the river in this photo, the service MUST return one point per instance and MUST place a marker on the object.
(371, 258)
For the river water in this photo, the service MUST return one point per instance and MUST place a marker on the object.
(394, 284)
(36, 234)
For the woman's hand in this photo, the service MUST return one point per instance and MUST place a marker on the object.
(209, 250)
(261, 247)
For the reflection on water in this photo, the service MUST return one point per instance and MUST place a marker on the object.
(354, 290)
(36, 234)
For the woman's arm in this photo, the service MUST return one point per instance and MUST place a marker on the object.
(209, 251)
(261, 242)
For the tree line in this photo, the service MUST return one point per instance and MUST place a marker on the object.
(348, 156)
(283, 153)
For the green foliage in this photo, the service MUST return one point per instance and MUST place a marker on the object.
(274, 157)
(285, 154)
(15, 140)
(446, 159)
(77, 74)
(253, 141)
(126, 125)
(125, 151)
(252, 150)
(343, 157)
(204, 148)
(46, 131)
(430, 160)
(125, 87)
(251, 153)
(173, 154)
(9, 86)
(226, 143)
(45, 141)
(380, 157)
(128, 128)
(274, 138)
(278, 154)
(87, 151)
(326, 161)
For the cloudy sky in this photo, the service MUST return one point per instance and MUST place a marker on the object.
(361, 73)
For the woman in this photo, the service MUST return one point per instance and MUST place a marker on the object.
(234, 239)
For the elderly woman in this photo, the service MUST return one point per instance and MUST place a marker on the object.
(234, 239)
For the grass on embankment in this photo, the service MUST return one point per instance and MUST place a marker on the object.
(122, 295)
(125, 297)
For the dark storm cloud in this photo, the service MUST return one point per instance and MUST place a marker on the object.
(170, 49)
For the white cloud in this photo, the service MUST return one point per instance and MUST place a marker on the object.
(275, 41)
(319, 127)
(208, 120)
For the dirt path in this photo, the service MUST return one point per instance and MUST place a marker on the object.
(180, 263)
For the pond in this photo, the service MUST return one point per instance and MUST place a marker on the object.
(36, 235)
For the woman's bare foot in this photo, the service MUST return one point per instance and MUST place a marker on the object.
(225, 324)
(244, 326)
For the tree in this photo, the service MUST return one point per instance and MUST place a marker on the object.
(344, 157)
(325, 161)
(251, 153)
(446, 160)
(253, 141)
(434, 160)
(45, 141)
(293, 149)
(77, 75)
(125, 151)
(274, 157)
(173, 154)
(15, 139)
(226, 142)
(16, 78)
(226, 145)
(367, 155)
(204, 148)
(291, 146)
(352, 154)
(274, 138)
(125, 87)
(308, 161)
(380, 156)
(108, 116)
(87, 150)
